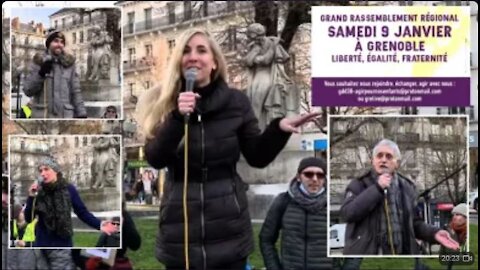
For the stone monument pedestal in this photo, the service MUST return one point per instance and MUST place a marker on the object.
(266, 183)
(280, 170)
(98, 200)
(97, 95)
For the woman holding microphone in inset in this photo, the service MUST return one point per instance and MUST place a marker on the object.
(221, 124)
(53, 200)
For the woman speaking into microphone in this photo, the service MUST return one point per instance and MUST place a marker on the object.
(213, 124)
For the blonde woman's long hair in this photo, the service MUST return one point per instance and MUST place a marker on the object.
(158, 102)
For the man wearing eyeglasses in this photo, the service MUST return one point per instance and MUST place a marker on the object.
(300, 213)
(379, 209)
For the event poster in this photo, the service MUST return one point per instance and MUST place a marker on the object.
(391, 56)
(359, 71)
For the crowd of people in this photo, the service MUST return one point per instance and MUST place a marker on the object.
(144, 189)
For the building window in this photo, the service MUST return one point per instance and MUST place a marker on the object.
(131, 22)
(55, 24)
(27, 40)
(131, 87)
(171, 12)
(131, 56)
(406, 3)
(77, 142)
(147, 85)
(187, 10)
(472, 113)
(456, 110)
(63, 22)
(85, 141)
(148, 18)
(409, 110)
(148, 50)
(81, 36)
(22, 145)
(74, 38)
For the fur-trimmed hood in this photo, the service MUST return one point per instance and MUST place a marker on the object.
(66, 59)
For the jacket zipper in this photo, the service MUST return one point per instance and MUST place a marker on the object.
(306, 240)
(235, 196)
(202, 203)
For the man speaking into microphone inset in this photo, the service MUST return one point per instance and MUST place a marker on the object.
(53, 84)
(379, 209)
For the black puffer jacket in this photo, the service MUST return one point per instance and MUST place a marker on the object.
(362, 208)
(222, 127)
(304, 235)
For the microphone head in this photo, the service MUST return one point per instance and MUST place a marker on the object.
(39, 180)
(191, 73)
(190, 77)
(385, 171)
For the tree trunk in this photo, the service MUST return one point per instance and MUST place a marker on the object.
(266, 13)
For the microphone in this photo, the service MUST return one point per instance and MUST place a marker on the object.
(190, 77)
(39, 183)
(385, 171)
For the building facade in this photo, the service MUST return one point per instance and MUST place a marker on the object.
(74, 154)
(27, 39)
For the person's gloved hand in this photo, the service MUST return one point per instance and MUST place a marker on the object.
(45, 68)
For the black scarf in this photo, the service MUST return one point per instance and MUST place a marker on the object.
(396, 217)
(312, 204)
(55, 206)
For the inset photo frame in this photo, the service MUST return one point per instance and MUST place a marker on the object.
(397, 185)
(66, 63)
(68, 189)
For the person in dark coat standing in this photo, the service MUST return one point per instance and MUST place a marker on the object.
(222, 126)
(379, 208)
(53, 201)
(301, 215)
(53, 82)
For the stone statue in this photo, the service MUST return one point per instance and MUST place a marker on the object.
(104, 166)
(272, 93)
(99, 55)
